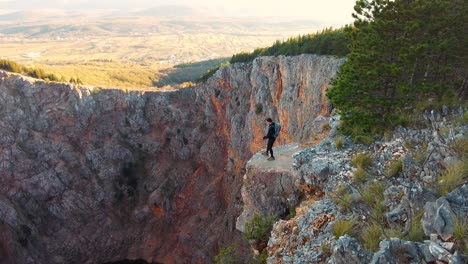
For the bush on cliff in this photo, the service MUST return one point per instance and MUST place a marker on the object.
(227, 255)
(259, 228)
(401, 53)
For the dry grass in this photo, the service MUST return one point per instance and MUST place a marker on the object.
(339, 142)
(342, 227)
(362, 160)
(416, 231)
(371, 237)
(360, 176)
(394, 168)
(455, 175)
(461, 233)
(460, 146)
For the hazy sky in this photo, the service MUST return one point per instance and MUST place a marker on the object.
(331, 11)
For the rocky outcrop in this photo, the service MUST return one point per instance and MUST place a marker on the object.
(269, 186)
(90, 175)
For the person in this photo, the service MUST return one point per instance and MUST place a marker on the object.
(271, 138)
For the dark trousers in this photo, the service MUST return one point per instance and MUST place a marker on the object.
(271, 141)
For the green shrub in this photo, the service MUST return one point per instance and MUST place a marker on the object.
(292, 213)
(339, 142)
(360, 175)
(394, 168)
(258, 108)
(371, 237)
(342, 227)
(361, 160)
(259, 228)
(455, 175)
(226, 255)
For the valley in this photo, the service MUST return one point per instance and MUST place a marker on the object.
(137, 52)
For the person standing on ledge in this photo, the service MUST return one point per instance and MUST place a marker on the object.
(271, 138)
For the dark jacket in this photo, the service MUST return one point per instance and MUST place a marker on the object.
(271, 131)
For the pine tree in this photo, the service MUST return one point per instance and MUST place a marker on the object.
(401, 52)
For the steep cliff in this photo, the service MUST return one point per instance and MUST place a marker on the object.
(90, 175)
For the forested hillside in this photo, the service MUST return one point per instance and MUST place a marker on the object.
(327, 42)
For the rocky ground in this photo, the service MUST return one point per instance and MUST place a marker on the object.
(404, 199)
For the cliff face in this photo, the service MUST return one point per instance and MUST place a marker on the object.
(89, 175)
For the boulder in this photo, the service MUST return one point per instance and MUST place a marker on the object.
(347, 250)
(439, 215)
(396, 251)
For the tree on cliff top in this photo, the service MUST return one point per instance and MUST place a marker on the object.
(402, 52)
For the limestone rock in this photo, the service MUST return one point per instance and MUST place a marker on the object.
(439, 252)
(347, 250)
(438, 216)
(394, 251)
(458, 199)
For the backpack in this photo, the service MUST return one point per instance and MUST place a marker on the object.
(277, 129)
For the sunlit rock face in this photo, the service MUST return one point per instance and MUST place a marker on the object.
(93, 176)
